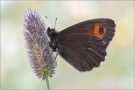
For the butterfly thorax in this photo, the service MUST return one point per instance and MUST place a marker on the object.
(53, 42)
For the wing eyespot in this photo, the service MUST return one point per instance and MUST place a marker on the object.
(101, 30)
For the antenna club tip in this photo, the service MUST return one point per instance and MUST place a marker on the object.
(46, 16)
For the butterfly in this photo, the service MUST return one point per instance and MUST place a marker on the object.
(83, 45)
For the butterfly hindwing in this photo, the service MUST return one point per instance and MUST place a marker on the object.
(83, 51)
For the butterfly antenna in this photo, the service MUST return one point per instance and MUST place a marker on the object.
(49, 20)
(55, 22)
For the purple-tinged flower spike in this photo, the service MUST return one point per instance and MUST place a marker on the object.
(41, 57)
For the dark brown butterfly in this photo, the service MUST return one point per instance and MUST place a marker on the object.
(83, 45)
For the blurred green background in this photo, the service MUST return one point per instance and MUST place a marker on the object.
(116, 72)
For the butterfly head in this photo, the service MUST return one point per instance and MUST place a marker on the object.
(51, 32)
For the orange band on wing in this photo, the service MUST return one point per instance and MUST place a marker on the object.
(96, 31)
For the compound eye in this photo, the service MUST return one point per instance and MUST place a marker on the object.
(48, 31)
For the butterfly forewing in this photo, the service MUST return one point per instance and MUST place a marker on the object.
(92, 27)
